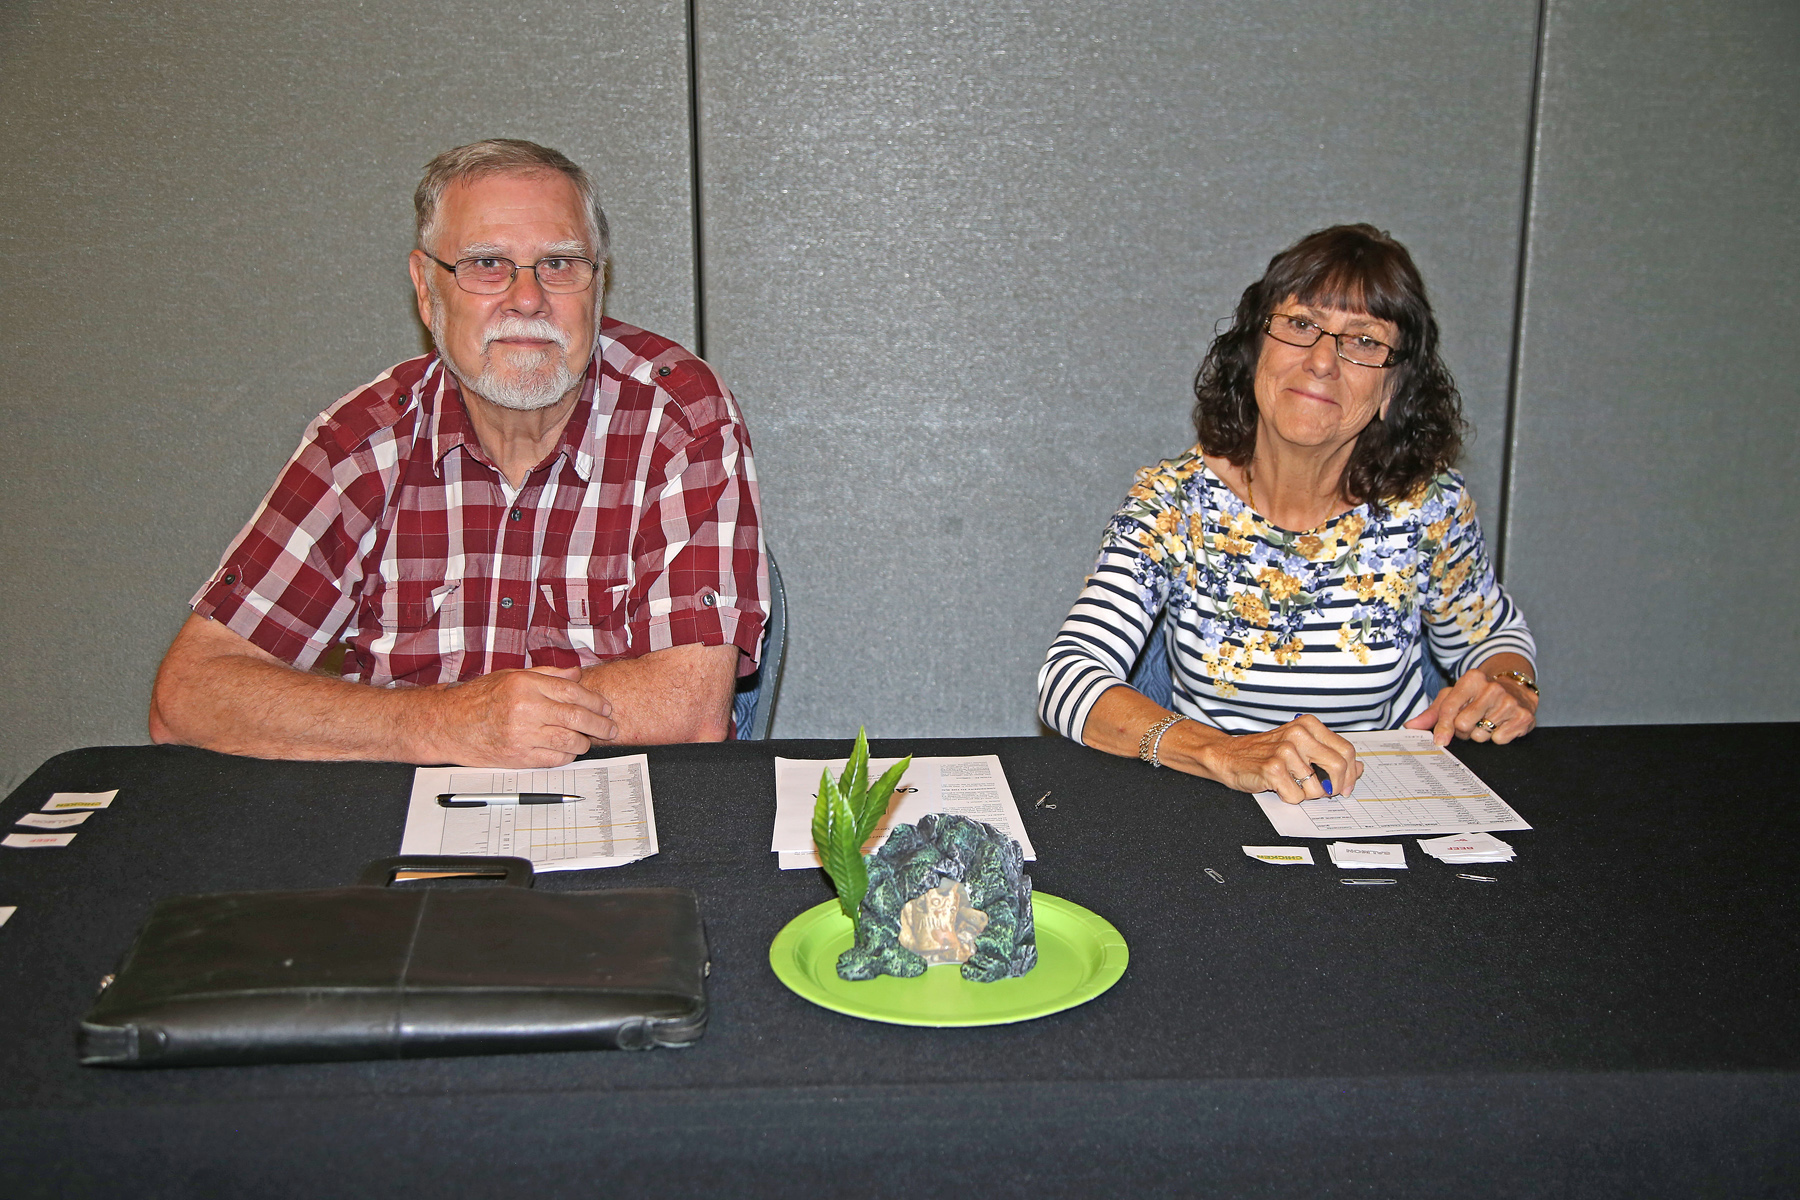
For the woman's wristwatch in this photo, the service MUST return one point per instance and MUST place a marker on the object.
(1522, 677)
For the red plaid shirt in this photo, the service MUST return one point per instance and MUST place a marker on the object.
(390, 530)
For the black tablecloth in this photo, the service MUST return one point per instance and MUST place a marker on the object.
(1616, 1015)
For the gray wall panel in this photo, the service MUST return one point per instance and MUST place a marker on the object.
(207, 211)
(960, 265)
(1658, 430)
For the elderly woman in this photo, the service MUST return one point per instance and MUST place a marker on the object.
(1310, 557)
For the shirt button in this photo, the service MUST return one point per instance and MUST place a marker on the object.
(506, 602)
(517, 515)
(230, 578)
(709, 599)
(662, 372)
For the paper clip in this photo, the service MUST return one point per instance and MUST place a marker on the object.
(1478, 878)
(1216, 877)
(1363, 882)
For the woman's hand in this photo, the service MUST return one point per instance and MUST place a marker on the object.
(1279, 761)
(1282, 760)
(1481, 707)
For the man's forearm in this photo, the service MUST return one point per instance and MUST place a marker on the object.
(218, 691)
(682, 694)
(239, 705)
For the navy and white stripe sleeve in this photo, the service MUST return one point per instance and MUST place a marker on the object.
(1101, 638)
(1468, 616)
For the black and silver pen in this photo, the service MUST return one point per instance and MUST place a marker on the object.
(483, 799)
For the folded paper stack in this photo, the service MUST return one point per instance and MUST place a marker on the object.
(1388, 856)
(1467, 848)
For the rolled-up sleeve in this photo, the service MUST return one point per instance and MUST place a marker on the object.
(286, 582)
(1469, 617)
(1103, 633)
(699, 572)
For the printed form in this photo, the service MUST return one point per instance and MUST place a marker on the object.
(613, 824)
(1409, 785)
(973, 787)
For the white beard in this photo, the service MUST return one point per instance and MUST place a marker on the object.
(530, 381)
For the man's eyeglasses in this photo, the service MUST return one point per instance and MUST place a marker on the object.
(489, 275)
(1358, 348)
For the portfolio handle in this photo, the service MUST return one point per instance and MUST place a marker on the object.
(517, 871)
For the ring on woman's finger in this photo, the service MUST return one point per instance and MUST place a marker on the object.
(1486, 724)
(1303, 780)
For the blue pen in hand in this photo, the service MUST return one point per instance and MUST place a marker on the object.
(1318, 771)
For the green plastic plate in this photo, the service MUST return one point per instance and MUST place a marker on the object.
(1080, 955)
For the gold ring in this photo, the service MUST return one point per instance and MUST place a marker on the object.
(1486, 724)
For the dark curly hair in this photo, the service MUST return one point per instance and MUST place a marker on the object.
(1360, 269)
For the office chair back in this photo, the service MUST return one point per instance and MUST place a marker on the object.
(1151, 675)
(754, 707)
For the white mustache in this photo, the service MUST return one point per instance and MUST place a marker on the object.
(523, 327)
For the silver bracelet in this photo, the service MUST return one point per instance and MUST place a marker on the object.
(1151, 742)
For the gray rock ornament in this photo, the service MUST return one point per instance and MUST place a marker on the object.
(946, 890)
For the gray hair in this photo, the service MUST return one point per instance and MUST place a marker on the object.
(503, 156)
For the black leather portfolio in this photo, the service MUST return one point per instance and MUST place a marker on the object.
(373, 971)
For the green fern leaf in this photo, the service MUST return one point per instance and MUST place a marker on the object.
(824, 810)
(875, 800)
(840, 853)
(845, 815)
(855, 779)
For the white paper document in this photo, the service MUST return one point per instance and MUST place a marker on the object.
(1359, 855)
(614, 824)
(75, 801)
(54, 820)
(1409, 785)
(973, 787)
(6, 912)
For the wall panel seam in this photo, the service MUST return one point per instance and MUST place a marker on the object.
(694, 184)
(1515, 364)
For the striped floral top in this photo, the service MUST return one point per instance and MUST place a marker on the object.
(1263, 624)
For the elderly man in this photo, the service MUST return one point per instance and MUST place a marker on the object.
(540, 538)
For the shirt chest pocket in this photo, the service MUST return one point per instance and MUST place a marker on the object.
(586, 616)
(410, 605)
(414, 633)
